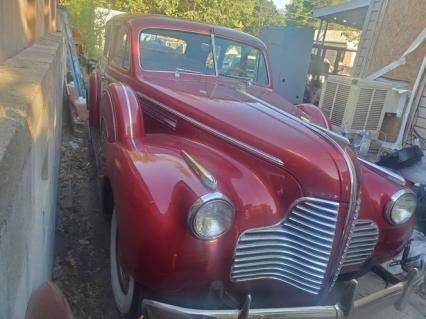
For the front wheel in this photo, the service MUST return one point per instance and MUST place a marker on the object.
(124, 288)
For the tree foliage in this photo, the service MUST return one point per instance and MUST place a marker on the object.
(300, 11)
(246, 15)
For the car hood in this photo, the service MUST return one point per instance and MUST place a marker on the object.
(240, 111)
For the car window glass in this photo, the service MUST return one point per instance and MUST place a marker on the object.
(163, 43)
(232, 57)
(239, 60)
(172, 50)
(121, 55)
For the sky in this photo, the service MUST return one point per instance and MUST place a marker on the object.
(280, 4)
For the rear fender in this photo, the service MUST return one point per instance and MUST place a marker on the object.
(93, 98)
(121, 116)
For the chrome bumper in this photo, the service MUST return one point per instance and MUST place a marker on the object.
(396, 295)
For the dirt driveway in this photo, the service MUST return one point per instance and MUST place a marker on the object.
(82, 263)
(82, 257)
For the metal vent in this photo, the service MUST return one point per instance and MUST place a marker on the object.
(296, 251)
(376, 109)
(329, 94)
(339, 104)
(369, 109)
(362, 108)
(362, 243)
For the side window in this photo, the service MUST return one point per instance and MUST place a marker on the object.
(232, 57)
(121, 54)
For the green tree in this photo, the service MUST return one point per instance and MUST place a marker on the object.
(82, 16)
(246, 15)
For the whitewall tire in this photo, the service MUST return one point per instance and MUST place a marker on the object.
(123, 284)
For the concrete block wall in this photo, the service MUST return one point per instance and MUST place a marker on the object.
(31, 96)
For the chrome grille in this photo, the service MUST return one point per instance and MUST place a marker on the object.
(362, 243)
(295, 251)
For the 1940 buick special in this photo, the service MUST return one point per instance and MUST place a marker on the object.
(224, 198)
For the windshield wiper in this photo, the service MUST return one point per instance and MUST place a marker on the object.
(179, 70)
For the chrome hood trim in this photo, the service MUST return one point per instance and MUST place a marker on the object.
(331, 134)
(388, 173)
(251, 149)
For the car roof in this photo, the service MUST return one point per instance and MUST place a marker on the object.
(159, 21)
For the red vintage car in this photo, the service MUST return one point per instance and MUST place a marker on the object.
(226, 201)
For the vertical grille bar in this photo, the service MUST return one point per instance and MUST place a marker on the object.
(295, 251)
(362, 243)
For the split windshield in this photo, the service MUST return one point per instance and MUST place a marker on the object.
(188, 52)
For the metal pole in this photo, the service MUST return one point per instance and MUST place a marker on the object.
(72, 57)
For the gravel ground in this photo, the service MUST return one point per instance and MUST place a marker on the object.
(82, 257)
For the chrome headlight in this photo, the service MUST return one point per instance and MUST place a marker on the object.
(211, 216)
(401, 206)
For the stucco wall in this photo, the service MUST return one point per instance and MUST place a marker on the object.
(31, 86)
(23, 22)
(401, 23)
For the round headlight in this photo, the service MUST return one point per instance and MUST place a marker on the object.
(401, 206)
(211, 216)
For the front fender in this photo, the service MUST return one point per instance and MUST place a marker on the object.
(376, 191)
(153, 190)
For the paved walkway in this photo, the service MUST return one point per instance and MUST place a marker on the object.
(416, 307)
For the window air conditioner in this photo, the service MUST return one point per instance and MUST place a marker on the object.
(354, 104)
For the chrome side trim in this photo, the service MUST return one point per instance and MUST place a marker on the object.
(270, 158)
(114, 121)
(391, 175)
(130, 115)
(311, 125)
(159, 117)
(206, 178)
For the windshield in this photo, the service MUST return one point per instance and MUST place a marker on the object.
(239, 60)
(181, 51)
(168, 50)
